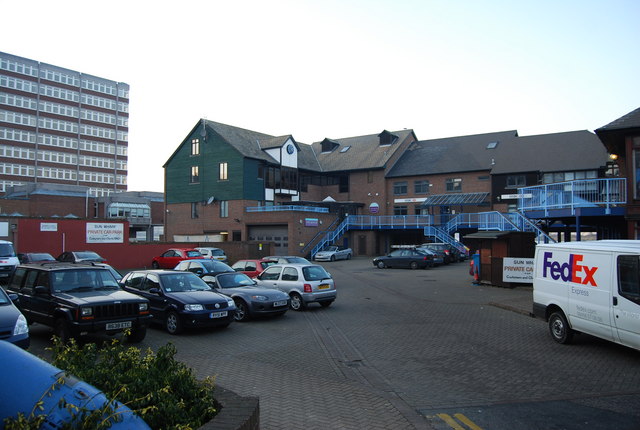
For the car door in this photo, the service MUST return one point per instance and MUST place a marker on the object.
(270, 277)
(40, 303)
(395, 258)
(251, 269)
(626, 301)
(137, 284)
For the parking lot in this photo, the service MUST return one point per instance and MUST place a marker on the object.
(403, 349)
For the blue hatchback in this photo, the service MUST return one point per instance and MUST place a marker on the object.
(13, 325)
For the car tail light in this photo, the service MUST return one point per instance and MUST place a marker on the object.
(307, 288)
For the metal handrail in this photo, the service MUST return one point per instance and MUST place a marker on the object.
(283, 208)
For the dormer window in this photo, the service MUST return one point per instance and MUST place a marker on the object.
(329, 145)
(387, 138)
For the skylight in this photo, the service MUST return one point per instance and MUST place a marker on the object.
(492, 145)
(345, 149)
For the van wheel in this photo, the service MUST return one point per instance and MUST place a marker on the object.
(559, 328)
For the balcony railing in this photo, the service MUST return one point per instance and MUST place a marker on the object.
(605, 193)
(282, 208)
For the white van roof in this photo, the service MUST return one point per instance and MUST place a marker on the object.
(597, 245)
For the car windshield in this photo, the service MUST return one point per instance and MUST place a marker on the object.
(41, 257)
(65, 281)
(218, 252)
(193, 254)
(234, 280)
(87, 255)
(182, 282)
(4, 299)
(297, 260)
(6, 250)
(215, 266)
(315, 273)
(331, 248)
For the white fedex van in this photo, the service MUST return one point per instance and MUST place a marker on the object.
(590, 287)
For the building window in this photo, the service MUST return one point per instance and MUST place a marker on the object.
(421, 187)
(400, 210)
(195, 178)
(515, 181)
(454, 185)
(224, 208)
(195, 146)
(194, 210)
(399, 188)
(223, 172)
(369, 177)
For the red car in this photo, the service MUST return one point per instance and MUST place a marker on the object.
(252, 268)
(171, 257)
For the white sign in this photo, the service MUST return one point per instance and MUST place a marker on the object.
(48, 226)
(517, 270)
(413, 200)
(516, 196)
(105, 232)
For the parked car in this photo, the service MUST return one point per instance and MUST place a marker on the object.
(35, 257)
(251, 300)
(439, 256)
(333, 253)
(304, 283)
(180, 300)
(80, 256)
(252, 268)
(13, 325)
(404, 258)
(203, 267)
(213, 254)
(284, 259)
(171, 257)
(77, 299)
(451, 254)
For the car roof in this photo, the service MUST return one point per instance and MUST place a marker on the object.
(162, 272)
(59, 265)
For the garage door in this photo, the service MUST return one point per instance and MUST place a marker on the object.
(277, 234)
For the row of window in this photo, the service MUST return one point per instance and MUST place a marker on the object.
(452, 185)
(93, 192)
(129, 210)
(61, 174)
(61, 141)
(59, 125)
(63, 78)
(62, 94)
(223, 173)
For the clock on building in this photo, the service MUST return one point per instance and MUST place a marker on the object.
(290, 149)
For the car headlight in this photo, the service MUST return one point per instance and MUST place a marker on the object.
(21, 326)
(86, 312)
(260, 298)
(193, 307)
(142, 307)
(231, 303)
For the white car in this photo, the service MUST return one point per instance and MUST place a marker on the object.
(333, 253)
(213, 254)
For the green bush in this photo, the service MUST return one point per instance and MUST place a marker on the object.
(161, 390)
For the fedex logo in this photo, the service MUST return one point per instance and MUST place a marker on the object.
(571, 271)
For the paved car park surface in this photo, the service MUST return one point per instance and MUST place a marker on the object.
(405, 349)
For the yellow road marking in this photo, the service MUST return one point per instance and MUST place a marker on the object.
(467, 422)
(450, 421)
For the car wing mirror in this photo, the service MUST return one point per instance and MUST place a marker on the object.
(155, 290)
(13, 297)
(39, 289)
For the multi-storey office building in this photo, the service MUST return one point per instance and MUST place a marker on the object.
(61, 126)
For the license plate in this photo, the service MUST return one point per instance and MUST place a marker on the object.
(281, 303)
(119, 325)
(324, 286)
(218, 314)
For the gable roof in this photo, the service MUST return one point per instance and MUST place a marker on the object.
(451, 154)
(360, 152)
(556, 152)
(630, 120)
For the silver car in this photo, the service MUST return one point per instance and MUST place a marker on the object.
(304, 283)
(333, 253)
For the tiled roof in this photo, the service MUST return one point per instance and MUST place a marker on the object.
(451, 154)
(630, 120)
(361, 152)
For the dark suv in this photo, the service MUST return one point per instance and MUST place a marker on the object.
(77, 299)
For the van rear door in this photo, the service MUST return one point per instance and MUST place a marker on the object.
(626, 300)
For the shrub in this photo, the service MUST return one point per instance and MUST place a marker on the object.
(161, 390)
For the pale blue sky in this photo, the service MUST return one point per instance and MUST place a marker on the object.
(341, 68)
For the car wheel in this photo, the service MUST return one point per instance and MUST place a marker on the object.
(413, 265)
(297, 304)
(242, 312)
(381, 265)
(155, 265)
(137, 335)
(172, 323)
(559, 328)
(333, 258)
(61, 330)
(348, 256)
(326, 304)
